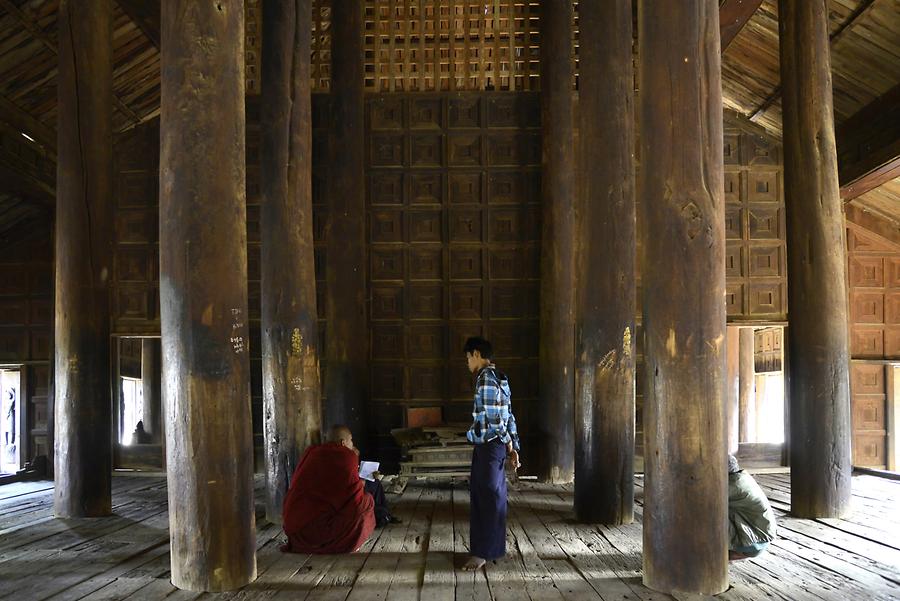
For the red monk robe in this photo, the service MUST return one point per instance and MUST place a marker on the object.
(327, 510)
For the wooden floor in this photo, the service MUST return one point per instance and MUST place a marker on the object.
(550, 557)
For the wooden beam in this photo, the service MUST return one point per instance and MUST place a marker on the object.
(144, 14)
(203, 296)
(35, 30)
(290, 331)
(605, 324)
(683, 267)
(733, 15)
(868, 145)
(23, 122)
(873, 223)
(845, 27)
(817, 292)
(83, 261)
(873, 179)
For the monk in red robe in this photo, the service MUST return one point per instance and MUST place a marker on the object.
(327, 510)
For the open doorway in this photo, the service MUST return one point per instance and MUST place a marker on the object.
(138, 418)
(10, 417)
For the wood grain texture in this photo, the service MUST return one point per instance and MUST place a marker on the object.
(203, 269)
(84, 213)
(817, 287)
(681, 183)
(292, 414)
(605, 326)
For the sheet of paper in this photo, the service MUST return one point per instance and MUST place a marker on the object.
(367, 469)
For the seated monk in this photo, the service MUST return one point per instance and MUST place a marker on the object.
(326, 509)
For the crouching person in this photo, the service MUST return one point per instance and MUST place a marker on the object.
(327, 510)
(751, 521)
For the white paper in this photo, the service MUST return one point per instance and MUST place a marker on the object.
(367, 469)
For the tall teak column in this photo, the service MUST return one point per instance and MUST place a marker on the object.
(203, 293)
(557, 328)
(151, 383)
(682, 187)
(84, 234)
(346, 335)
(604, 390)
(817, 278)
(292, 415)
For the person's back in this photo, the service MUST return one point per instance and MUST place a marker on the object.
(326, 509)
(751, 521)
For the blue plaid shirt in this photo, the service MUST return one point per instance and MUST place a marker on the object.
(492, 416)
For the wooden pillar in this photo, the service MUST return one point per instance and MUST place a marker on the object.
(732, 389)
(84, 234)
(151, 382)
(683, 267)
(291, 387)
(203, 291)
(747, 390)
(557, 323)
(817, 278)
(347, 333)
(604, 403)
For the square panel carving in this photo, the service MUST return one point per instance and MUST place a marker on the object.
(137, 226)
(41, 312)
(426, 302)
(868, 412)
(387, 264)
(758, 150)
(515, 340)
(464, 150)
(137, 188)
(387, 381)
(765, 261)
(465, 188)
(734, 259)
(459, 333)
(426, 150)
(734, 299)
(387, 342)
(734, 223)
(892, 272)
(514, 263)
(132, 265)
(425, 226)
(426, 188)
(13, 344)
(465, 112)
(425, 113)
(13, 312)
(866, 307)
(514, 300)
(14, 278)
(428, 379)
(866, 379)
(40, 344)
(765, 224)
(510, 149)
(426, 342)
(766, 298)
(868, 450)
(465, 264)
(513, 187)
(892, 342)
(733, 187)
(465, 302)
(762, 186)
(386, 113)
(387, 302)
(465, 225)
(892, 308)
(866, 272)
(732, 147)
(387, 150)
(513, 110)
(132, 302)
(462, 382)
(425, 264)
(386, 226)
(386, 189)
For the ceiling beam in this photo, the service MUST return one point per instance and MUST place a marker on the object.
(845, 27)
(34, 29)
(868, 146)
(885, 229)
(23, 122)
(733, 15)
(146, 15)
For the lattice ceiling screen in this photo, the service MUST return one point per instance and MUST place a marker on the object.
(439, 45)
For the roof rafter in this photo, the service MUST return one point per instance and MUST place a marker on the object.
(733, 15)
(146, 15)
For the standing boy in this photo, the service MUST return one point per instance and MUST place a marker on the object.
(494, 435)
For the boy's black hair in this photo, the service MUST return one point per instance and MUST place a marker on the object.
(477, 343)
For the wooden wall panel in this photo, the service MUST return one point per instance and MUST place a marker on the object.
(873, 267)
(868, 405)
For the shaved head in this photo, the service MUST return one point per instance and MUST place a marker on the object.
(339, 433)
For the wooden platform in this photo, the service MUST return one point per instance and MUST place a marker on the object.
(549, 558)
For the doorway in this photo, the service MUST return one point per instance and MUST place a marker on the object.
(11, 414)
(137, 382)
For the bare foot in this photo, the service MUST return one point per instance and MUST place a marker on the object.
(474, 563)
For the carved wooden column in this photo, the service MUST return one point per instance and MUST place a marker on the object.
(347, 333)
(151, 383)
(557, 340)
(203, 293)
(817, 278)
(682, 187)
(292, 414)
(604, 391)
(84, 234)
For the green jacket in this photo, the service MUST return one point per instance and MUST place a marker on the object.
(750, 517)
